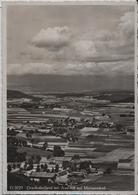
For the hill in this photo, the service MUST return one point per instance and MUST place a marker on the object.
(19, 94)
(117, 96)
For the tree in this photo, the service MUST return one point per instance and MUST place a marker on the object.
(48, 156)
(52, 171)
(38, 168)
(14, 166)
(45, 167)
(119, 127)
(85, 165)
(12, 154)
(9, 168)
(108, 171)
(45, 145)
(24, 143)
(75, 160)
(56, 168)
(28, 135)
(30, 162)
(58, 151)
(37, 159)
(76, 157)
(65, 164)
(42, 167)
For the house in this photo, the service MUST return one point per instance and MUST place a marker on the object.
(43, 176)
(60, 160)
(43, 160)
(44, 130)
(38, 145)
(62, 109)
(29, 144)
(88, 131)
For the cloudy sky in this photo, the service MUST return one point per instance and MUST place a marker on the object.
(70, 40)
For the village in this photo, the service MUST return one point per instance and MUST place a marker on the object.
(70, 142)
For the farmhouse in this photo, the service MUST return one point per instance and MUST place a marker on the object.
(43, 176)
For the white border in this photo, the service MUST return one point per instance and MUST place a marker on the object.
(4, 98)
(136, 105)
(4, 93)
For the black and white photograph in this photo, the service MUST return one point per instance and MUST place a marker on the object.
(70, 97)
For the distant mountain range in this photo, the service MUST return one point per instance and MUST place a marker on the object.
(113, 96)
(77, 83)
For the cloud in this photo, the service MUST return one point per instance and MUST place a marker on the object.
(32, 68)
(60, 69)
(85, 49)
(102, 68)
(126, 25)
(104, 47)
(87, 68)
(57, 51)
(52, 38)
(120, 43)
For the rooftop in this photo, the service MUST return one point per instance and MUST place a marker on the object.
(42, 175)
(89, 129)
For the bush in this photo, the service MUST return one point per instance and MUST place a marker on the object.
(58, 151)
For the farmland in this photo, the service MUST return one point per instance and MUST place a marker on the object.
(75, 133)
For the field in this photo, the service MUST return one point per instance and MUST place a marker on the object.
(94, 130)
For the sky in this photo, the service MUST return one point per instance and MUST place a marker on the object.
(70, 40)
